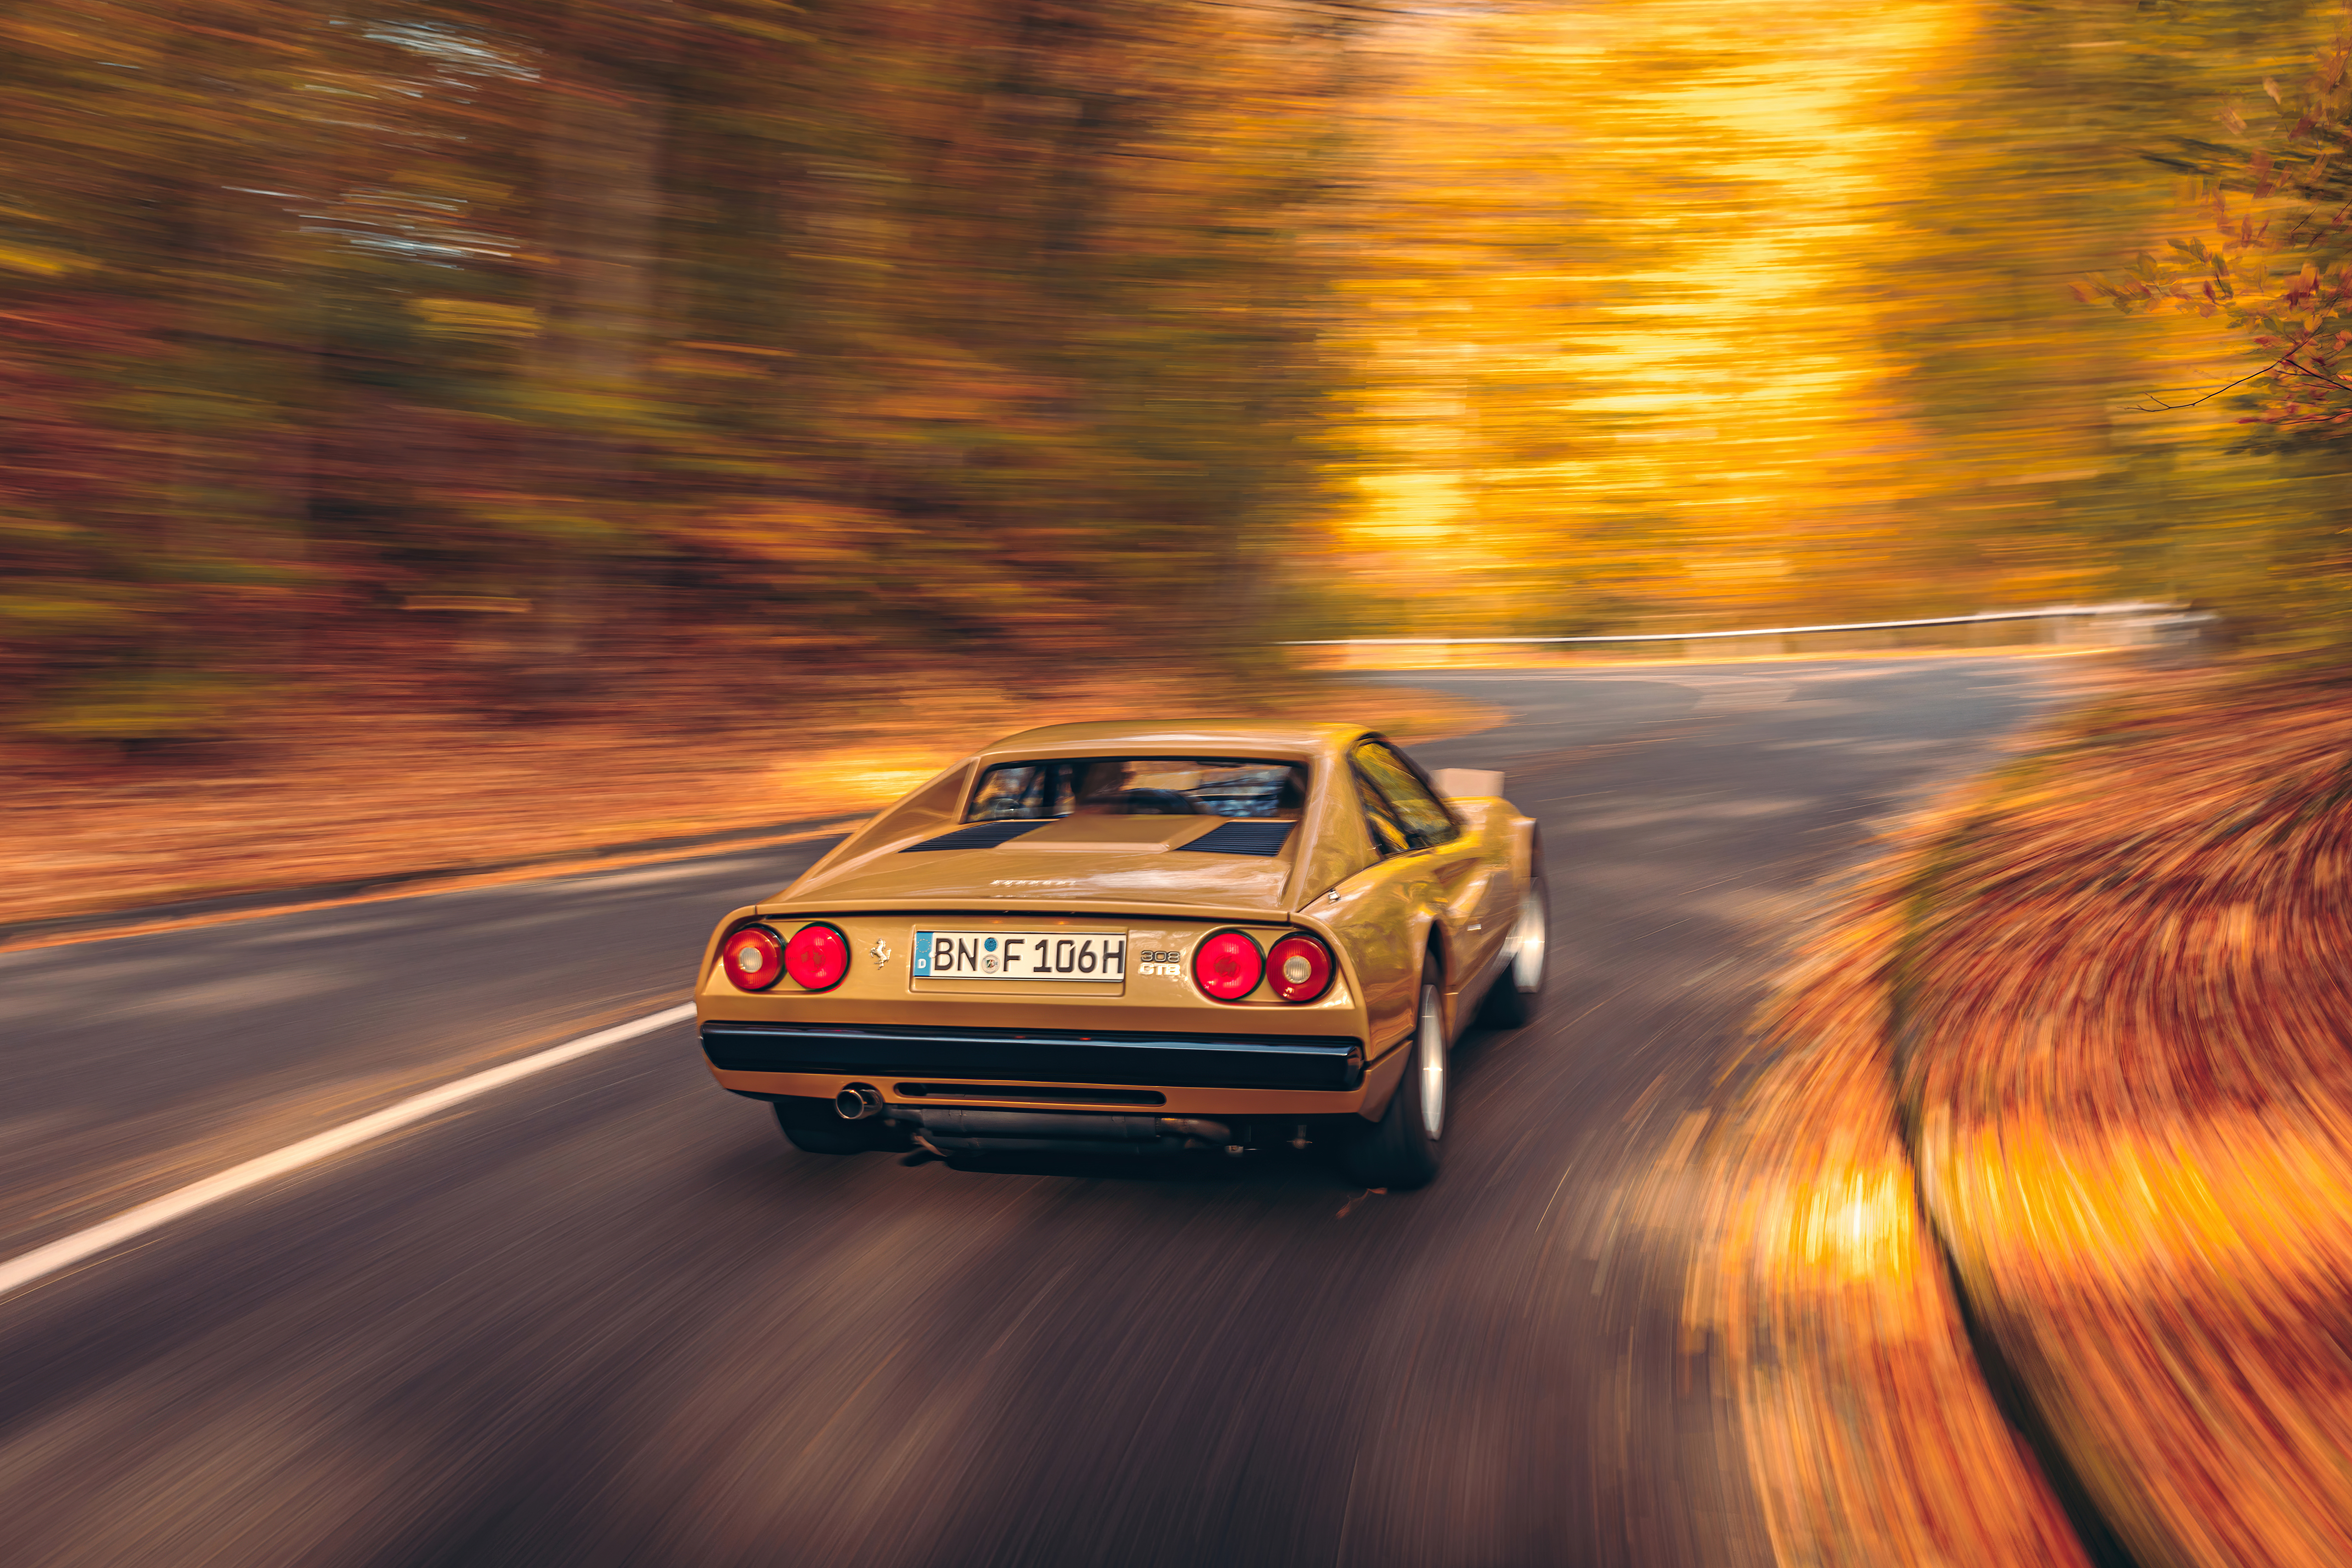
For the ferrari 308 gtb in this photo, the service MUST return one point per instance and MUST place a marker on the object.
(1125, 940)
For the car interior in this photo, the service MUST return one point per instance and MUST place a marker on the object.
(1040, 791)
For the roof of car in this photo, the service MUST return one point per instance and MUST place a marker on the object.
(1238, 737)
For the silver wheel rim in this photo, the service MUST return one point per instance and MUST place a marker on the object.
(1529, 941)
(1429, 1060)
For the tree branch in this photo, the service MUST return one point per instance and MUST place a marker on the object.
(2162, 406)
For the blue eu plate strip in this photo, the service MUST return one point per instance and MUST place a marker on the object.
(923, 954)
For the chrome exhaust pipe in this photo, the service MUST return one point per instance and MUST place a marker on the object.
(857, 1102)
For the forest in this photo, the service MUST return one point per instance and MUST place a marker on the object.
(544, 359)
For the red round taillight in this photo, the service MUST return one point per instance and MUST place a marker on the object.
(1228, 966)
(1300, 968)
(817, 957)
(752, 958)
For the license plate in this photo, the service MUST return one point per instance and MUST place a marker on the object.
(1019, 955)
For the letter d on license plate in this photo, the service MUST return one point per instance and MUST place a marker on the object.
(1019, 955)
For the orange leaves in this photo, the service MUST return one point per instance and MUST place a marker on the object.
(362, 788)
(2134, 1106)
(2287, 179)
(2123, 1068)
(793, 533)
(1869, 1434)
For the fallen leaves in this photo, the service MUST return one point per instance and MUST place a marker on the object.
(1870, 1436)
(2127, 1062)
(2088, 1041)
(349, 792)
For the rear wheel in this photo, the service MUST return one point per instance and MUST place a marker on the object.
(1516, 994)
(813, 1127)
(1400, 1149)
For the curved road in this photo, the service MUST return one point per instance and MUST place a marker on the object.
(605, 1316)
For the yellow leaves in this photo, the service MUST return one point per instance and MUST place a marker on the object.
(868, 777)
(40, 262)
(737, 362)
(2135, 1131)
(1857, 1228)
(2147, 1210)
(1869, 1434)
(476, 319)
(738, 348)
(1733, 570)
(1748, 301)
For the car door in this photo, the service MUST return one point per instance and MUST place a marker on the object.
(1427, 866)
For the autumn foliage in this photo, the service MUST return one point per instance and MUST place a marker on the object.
(2123, 1063)
(2058, 1105)
(2272, 265)
(521, 347)
(551, 339)
(1870, 1431)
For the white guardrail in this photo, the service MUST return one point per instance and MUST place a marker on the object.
(2118, 624)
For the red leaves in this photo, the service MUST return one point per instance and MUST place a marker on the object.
(2124, 1068)
(1870, 1436)
(2134, 1099)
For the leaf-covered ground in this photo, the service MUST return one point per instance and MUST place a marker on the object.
(2089, 1035)
(1871, 1438)
(346, 790)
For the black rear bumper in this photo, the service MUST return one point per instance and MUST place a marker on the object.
(1041, 1056)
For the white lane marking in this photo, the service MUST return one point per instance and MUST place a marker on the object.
(43, 1261)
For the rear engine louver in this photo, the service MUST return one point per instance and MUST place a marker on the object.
(1242, 838)
(978, 836)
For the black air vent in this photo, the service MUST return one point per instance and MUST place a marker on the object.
(978, 836)
(1242, 838)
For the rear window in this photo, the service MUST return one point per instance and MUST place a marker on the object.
(1039, 791)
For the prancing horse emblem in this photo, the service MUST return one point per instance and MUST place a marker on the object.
(881, 951)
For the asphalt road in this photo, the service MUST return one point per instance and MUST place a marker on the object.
(606, 1316)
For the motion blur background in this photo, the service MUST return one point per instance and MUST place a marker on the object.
(529, 359)
(485, 440)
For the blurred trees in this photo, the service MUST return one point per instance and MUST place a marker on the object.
(1688, 313)
(506, 352)
(544, 336)
(2269, 273)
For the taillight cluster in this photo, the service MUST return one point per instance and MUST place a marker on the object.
(1300, 968)
(816, 956)
(1229, 965)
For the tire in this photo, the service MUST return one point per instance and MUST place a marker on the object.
(1513, 999)
(813, 1127)
(1400, 1151)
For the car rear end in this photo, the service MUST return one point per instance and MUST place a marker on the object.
(1087, 934)
(943, 1027)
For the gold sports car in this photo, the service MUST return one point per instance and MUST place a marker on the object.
(1128, 940)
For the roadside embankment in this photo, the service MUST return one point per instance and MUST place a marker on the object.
(344, 793)
(2079, 1049)
(1871, 1438)
(2123, 1056)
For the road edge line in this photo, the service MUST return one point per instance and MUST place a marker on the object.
(30, 1268)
